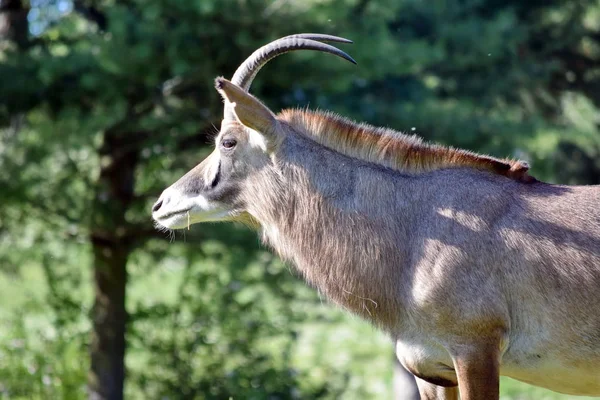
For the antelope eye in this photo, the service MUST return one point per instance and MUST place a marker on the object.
(228, 143)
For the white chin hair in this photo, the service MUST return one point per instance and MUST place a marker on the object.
(179, 221)
(185, 220)
(179, 212)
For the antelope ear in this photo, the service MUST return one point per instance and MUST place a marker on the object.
(246, 108)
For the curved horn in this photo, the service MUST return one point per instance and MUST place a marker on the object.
(246, 72)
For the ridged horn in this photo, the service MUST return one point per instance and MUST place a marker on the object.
(246, 72)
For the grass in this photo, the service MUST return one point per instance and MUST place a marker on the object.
(348, 344)
(356, 339)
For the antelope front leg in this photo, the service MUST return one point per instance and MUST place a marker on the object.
(429, 391)
(478, 375)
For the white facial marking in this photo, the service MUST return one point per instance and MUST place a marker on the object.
(212, 167)
(256, 140)
(179, 211)
(202, 202)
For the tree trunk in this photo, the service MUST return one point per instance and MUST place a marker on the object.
(107, 352)
(13, 23)
(111, 249)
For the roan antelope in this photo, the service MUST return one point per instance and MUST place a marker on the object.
(474, 267)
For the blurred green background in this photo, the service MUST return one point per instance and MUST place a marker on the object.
(104, 103)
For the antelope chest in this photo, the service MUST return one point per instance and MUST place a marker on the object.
(525, 360)
(426, 359)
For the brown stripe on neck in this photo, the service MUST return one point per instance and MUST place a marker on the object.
(393, 149)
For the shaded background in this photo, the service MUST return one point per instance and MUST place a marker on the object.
(105, 103)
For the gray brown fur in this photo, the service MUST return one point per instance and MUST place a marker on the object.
(474, 273)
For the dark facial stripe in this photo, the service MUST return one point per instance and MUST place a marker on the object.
(217, 178)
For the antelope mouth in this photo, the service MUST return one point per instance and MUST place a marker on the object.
(172, 213)
(174, 219)
(183, 218)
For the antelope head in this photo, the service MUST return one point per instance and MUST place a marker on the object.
(217, 188)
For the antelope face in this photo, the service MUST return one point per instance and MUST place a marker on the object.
(250, 133)
(212, 190)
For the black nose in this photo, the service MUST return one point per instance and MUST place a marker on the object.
(157, 205)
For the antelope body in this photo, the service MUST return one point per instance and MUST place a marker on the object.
(474, 267)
